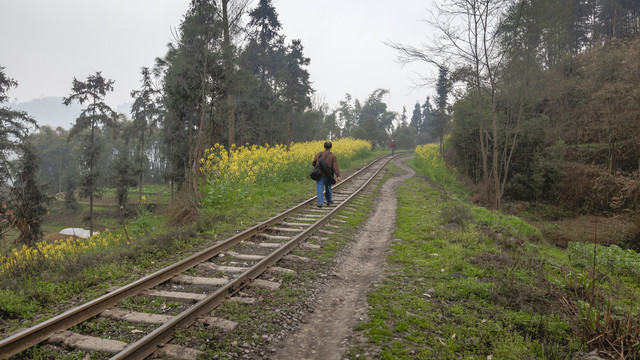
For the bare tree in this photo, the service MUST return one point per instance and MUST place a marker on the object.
(467, 40)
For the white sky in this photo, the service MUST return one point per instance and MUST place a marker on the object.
(46, 43)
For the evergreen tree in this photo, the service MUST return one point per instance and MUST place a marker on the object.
(416, 118)
(441, 117)
(403, 117)
(70, 201)
(29, 199)
(297, 86)
(58, 157)
(97, 114)
(264, 58)
(375, 121)
(193, 85)
(349, 114)
(124, 178)
(405, 134)
(427, 120)
(146, 111)
(14, 126)
(232, 12)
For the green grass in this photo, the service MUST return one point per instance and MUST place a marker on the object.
(466, 282)
(450, 292)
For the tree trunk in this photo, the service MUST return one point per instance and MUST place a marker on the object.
(59, 174)
(495, 169)
(228, 69)
(231, 119)
(289, 128)
(197, 153)
(141, 167)
(507, 158)
(91, 185)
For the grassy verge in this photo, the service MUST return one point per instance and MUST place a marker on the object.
(466, 283)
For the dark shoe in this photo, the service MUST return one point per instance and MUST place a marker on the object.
(329, 202)
(319, 205)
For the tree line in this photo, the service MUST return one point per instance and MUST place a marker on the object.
(533, 79)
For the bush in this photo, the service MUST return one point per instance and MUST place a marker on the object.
(15, 306)
(612, 258)
(511, 225)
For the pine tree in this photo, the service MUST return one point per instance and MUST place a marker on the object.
(297, 86)
(193, 86)
(416, 118)
(146, 111)
(264, 58)
(14, 126)
(95, 115)
(29, 199)
(427, 116)
(124, 178)
(441, 118)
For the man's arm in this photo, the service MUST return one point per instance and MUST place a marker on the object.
(336, 169)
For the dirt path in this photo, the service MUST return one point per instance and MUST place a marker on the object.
(344, 302)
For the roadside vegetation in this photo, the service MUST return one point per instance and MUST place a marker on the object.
(466, 282)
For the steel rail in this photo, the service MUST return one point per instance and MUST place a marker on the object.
(163, 334)
(41, 332)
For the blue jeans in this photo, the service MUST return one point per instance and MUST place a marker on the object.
(324, 184)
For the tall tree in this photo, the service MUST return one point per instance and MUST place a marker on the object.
(297, 86)
(403, 117)
(442, 117)
(57, 155)
(232, 12)
(428, 115)
(375, 121)
(265, 57)
(92, 118)
(192, 86)
(123, 178)
(14, 125)
(349, 114)
(416, 118)
(29, 199)
(146, 111)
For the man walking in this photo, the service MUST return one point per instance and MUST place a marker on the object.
(328, 163)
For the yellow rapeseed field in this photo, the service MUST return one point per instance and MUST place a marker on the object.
(429, 156)
(232, 175)
(64, 249)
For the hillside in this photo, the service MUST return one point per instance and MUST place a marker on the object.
(50, 111)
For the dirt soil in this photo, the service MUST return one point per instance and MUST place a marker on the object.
(327, 331)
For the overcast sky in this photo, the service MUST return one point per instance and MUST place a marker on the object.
(46, 43)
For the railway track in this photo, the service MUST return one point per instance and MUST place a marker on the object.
(259, 248)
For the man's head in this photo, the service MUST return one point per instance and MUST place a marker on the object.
(327, 145)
